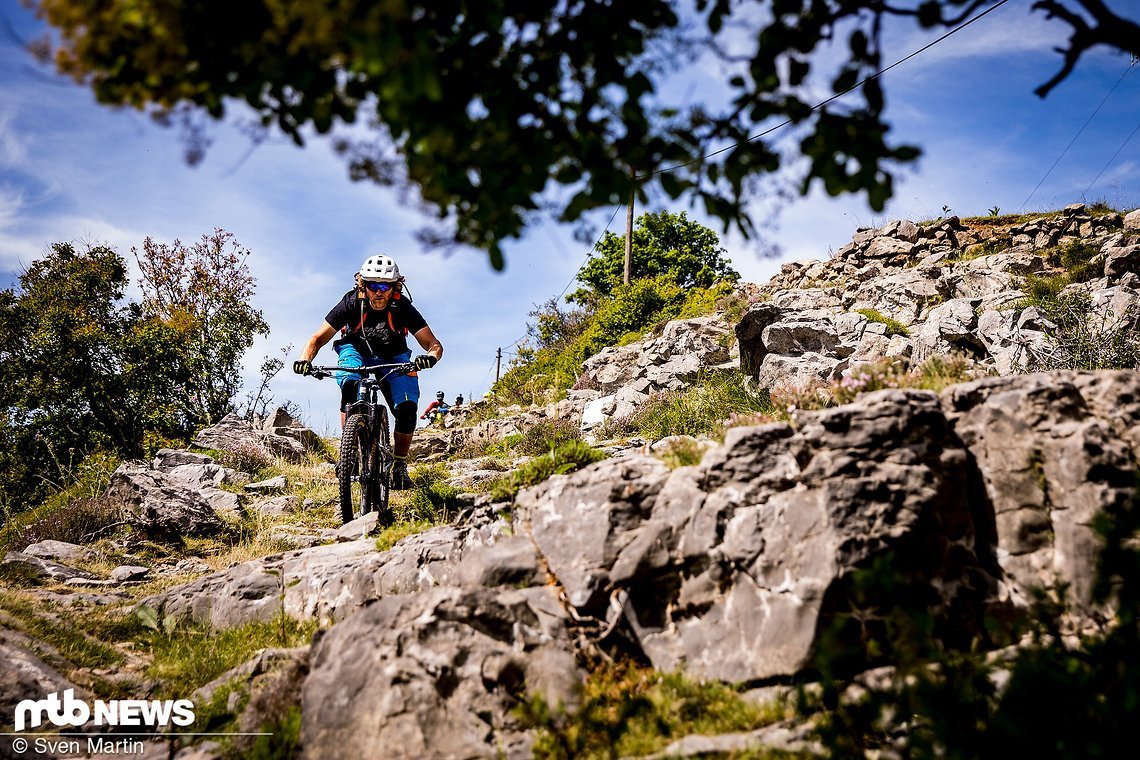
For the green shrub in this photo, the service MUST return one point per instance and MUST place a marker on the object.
(432, 501)
(280, 740)
(1086, 340)
(612, 320)
(77, 522)
(546, 436)
(568, 457)
(1044, 288)
(1077, 259)
(246, 456)
(734, 305)
(76, 514)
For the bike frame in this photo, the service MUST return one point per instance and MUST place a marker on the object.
(375, 482)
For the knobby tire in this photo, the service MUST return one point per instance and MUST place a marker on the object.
(358, 456)
(384, 463)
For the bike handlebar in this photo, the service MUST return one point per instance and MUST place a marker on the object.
(398, 368)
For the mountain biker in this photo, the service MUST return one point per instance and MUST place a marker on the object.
(437, 406)
(374, 319)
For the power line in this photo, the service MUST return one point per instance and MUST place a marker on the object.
(606, 229)
(593, 248)
(836, 96)
(1114, 155)
(785, 123)
(1078, 134)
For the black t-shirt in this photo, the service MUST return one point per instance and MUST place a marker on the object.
(372, 332)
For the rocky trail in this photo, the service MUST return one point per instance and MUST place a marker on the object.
(732, 569)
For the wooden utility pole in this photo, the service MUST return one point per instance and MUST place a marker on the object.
(629, 231)
(498, 361)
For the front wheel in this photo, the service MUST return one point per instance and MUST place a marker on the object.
(357, 468)
(384, 463)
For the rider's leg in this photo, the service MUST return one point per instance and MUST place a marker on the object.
(348, 356)
(405, 424)
(403, 395)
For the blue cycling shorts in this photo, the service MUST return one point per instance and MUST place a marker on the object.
(399, 388)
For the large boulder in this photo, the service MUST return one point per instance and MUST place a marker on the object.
(160, 505)
(329, 583)
(665, 361)
(1049, 463)
(790, 518)
(438, 674)
(279, 433)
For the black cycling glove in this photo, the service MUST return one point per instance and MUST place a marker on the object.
(425, 361)
(303, 367)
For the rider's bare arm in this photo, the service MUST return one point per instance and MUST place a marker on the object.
(319, 338)
(428, 342)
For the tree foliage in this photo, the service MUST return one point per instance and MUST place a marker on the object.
(664, 244)
(83, 369)
(79, 369)
(203, 291)
(485, 110)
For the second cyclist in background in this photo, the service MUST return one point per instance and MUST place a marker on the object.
(374, 319)
(436, 410)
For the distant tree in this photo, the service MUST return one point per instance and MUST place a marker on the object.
(203, 292)
(79, 368)
(554, 325)
(487, 108)
(663, 244)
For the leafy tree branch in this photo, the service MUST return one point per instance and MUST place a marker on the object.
(490, 115)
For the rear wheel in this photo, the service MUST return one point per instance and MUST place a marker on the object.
(357, 469)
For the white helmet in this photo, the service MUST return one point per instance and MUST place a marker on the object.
(380, 269)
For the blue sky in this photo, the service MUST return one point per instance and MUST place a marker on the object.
(71, 170)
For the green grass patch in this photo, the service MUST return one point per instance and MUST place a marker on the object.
(894, 327)
(566, 458)
(77, 638)
(701, 409)
(631, 711)
(1077, 259)
(1040, 289)
(281, 740)
(683, 452)
(187, 658)
(391, 535)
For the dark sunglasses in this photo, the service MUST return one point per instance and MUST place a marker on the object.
(379, 287)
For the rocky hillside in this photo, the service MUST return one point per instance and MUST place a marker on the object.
(787, 554)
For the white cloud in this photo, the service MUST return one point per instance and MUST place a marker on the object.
(12, 151)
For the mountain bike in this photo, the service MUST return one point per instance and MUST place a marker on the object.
(364, 464)
(438, 417)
